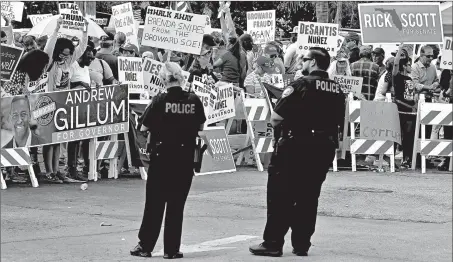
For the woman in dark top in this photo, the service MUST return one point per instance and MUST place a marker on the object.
(406, 101)
(233, 64)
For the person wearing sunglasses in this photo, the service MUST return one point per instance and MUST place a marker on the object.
(129, 50)
(424, 74)
(302, 155)
(272, 52)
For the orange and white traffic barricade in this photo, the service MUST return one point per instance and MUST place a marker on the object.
(358, 146)
(13, 157)
(429, 114)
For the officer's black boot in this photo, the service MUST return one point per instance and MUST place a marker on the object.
(138, 251)
(301, 253)
(173, 256)
(267, 249)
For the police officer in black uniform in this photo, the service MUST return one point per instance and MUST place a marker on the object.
(173, 119)
(309, 112)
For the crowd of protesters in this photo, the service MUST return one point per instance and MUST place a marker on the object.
(229, 58)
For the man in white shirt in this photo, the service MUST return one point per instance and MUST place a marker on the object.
(80, 70)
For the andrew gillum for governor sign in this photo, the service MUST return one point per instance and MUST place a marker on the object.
(411, 23)
(64, 116)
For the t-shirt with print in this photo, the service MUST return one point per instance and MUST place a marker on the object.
(404, 91)
(98, 72)
(230, 73)
(252, 81)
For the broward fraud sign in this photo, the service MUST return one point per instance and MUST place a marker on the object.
(173, 30)
(411, 23)
(64, 116)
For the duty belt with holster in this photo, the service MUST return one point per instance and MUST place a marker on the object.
(308, 133)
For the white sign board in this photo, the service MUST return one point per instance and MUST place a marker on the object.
(35, 19)
(130, 72)
(73, 20)
(261, 26)
(317, 34)
(151, 80)
(123, 20)
(349, 84)
(173, 30)
(12, 10)
(446, 60)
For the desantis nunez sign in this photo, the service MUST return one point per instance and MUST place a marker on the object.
(64, 116)
(411, 23)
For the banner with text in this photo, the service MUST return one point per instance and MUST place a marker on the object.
(35, 19)
(12, 10)
(123, 19)
(411, 23)
(317, 34)
(380, 121)
(447, 53)
(261, 26)
(173, 30)
(11, 56)
(349, 84)
(218, 158)
(64, 116)
(73, 20)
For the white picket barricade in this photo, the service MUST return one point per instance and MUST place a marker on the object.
(13, 157)
(432, 114)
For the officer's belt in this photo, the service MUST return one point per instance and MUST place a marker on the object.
(173, 143)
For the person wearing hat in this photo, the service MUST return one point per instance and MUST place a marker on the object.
(129, 50)
(290, 58)
(105, 53)
(271, 51)
(264, 67)
(368, 70)
(340, 66)
(378, 55)
(119, 41)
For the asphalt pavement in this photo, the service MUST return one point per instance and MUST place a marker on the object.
(363, 216)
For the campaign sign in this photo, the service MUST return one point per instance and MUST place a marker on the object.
(130, 72)
(123, 20)
(10, 57)
(151, 80)
(261, 26)
(35, 19)
(73, 20)
(64, 116)
(447, 54)
(218, 157)
(173, 30)
(317, 34)
(411, 23)
(349, 84)
(101, 21)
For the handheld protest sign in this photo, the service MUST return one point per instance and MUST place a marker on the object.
(349, 84)
(130, 71)
(151, 80)
(176, 31)
(317, 34)
(123, 20)
(446, 60)
(12, 10)
(10, 57)
(411, 23)
(73, 20)
(261, 26)
(36, 19)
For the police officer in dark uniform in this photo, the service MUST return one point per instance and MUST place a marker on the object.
(173, 119)
(310, 112)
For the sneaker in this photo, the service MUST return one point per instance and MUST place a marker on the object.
(444, 165)
(50, 178)
(406, 164)
(173, 255)
(265, 250)
(66, 179)
(138, 251)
